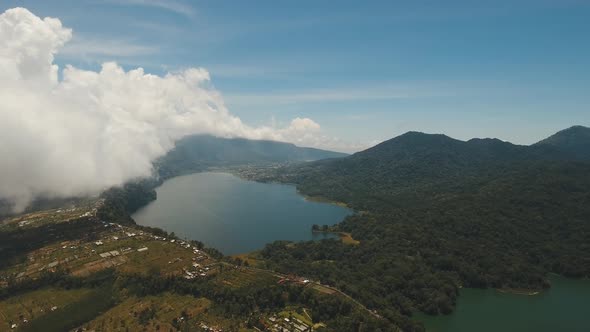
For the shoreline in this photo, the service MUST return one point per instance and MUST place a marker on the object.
(516, 291)
(346, 238)
(309, 198)
(321, 199)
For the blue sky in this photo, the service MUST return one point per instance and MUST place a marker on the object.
(364, 70)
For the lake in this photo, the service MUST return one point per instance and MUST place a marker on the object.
(235, 215)
(564, 307)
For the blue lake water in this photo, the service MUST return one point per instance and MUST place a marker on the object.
(235, 215)
(564, 307)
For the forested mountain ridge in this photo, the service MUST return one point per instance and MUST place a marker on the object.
(414, 163)
(435, 214)
(574, 140)
(197, 152)
(440, 213)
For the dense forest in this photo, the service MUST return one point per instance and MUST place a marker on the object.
(121, 202)
(436, 214)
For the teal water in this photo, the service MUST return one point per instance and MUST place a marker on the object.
(565, 307)
(235, 215)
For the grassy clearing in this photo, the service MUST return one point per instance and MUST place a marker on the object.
(293, 312)
(348, 239)
(241, 277)
(323, 289)
(252, 258)
(320, 199)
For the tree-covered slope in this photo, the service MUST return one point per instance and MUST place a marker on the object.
(412, 163)
(574, 140)
(194, 153)
(439, 213)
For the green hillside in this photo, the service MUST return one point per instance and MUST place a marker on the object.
(436, 214)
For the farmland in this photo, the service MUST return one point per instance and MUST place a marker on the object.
(65, 269)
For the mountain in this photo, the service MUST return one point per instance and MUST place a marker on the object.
(194, 153)
(437, 214)
(574, 140)
(414, 162)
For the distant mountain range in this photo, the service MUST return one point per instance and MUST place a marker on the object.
(405, 161)
(574, 140)
(198, 152)
(434, 214)
(414, 148)
(416, 161)
(437, 214)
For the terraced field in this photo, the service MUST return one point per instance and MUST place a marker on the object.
(152, 313)
(236, 277)
(66, 269)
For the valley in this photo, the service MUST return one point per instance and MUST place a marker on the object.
(433, 217)
(156, 276)
(294, 166)
(233, 215)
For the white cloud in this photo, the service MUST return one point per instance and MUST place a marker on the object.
(92, 130)
(98, 48)
(169, 5)
(324, 95)
(306, 132)
(253, 71)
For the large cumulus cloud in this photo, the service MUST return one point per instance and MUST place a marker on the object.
(91, 130)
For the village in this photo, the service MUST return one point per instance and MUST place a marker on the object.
(116, 245)
(130, 249)
(284, 324)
